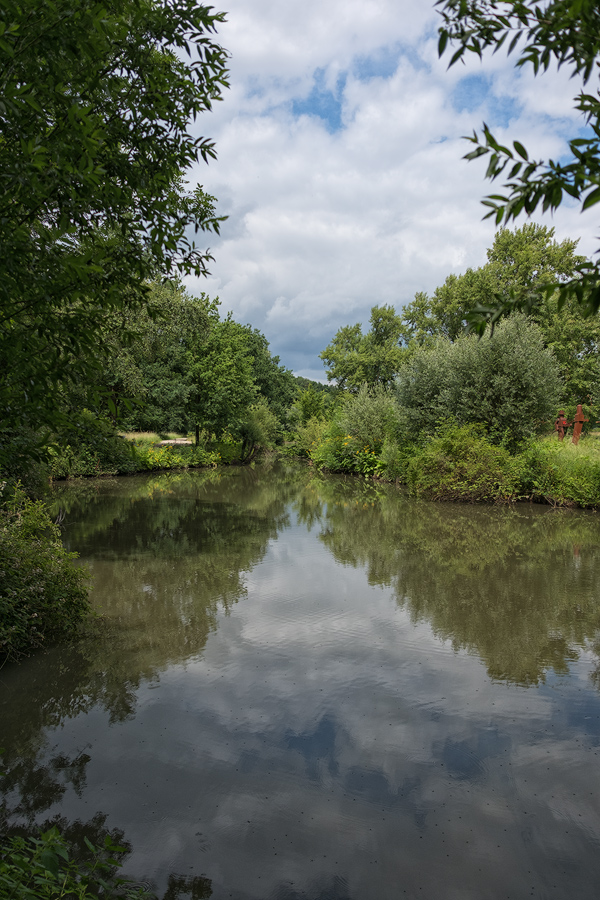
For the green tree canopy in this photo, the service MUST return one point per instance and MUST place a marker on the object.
(509, 382)
(96, 97)
(150, 352)
(223, 377)
(374, 358)
(274, 382)
(518, 261)
(540, 34)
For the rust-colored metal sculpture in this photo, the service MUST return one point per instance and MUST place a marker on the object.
(561, 424)
(579, 420)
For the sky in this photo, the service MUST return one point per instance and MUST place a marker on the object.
(340, 146)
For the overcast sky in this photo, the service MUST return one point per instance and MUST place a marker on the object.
(340, 163)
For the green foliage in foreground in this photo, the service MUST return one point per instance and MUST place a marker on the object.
(42, 592)
(42, 869)
(542, 35)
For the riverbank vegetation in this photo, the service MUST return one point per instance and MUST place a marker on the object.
(45, 867)
(44, 594)
(455, 417)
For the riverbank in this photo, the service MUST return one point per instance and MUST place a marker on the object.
(132, 454)
(461, 464)
(458, 464)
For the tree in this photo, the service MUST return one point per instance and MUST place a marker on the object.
(149, 370)
(540, 33)
(518, 261)
(508, 382)
(95, 102)
(274, 382)
(311, 405)
(222, 373)
(374, 358)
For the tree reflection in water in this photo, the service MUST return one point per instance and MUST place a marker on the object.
(484, 577)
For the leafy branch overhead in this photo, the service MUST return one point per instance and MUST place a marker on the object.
(539, 34)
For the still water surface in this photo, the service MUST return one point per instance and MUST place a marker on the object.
(311, 688)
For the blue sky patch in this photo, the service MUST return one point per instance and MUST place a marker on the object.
(474, 91)
(383, 62)
(323, 102)
(380, 64)
(470, 93)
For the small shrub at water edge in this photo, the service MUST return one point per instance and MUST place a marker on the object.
(461, 464)
(43, 595)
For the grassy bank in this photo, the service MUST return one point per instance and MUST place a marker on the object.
(460, 463)
(127, 454)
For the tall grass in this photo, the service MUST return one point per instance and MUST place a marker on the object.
(561, 473)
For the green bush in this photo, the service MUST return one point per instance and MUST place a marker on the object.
(353, 442)
(42, 869)
(340, 452)
(258, 430)
(394, 460)
(90, 447)
(42, 592)
(460, 463)
(310, 436)
(370, 417)
(508, 382)
(151, 458)
(116, 455)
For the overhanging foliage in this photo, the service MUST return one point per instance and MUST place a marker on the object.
(96, 99)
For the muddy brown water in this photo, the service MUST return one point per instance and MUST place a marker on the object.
(311, 688)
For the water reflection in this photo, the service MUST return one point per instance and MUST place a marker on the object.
(518, 586)
(314, 689)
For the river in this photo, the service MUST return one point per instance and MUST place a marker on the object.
(315, 688)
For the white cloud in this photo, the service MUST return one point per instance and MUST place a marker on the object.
(326, 222)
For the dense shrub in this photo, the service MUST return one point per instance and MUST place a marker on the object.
(150, 458)
(354, 440)
(461, 464)
(258, 430)
(90, 446)
(108, 453)
(370, 417)
(507, 382)
(309, 436)
(341, 452)
(42, 592)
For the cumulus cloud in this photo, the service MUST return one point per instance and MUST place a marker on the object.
(340, 146)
